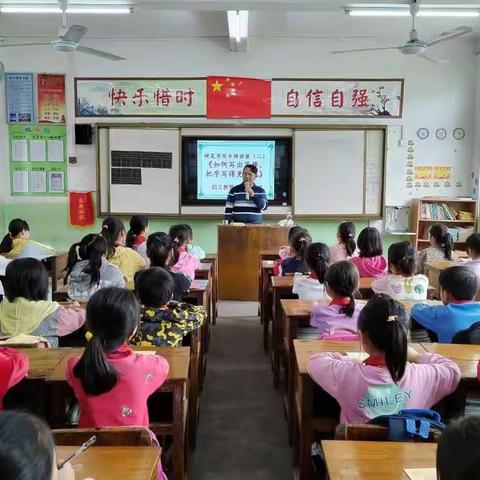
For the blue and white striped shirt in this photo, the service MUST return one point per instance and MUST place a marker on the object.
(240, 209)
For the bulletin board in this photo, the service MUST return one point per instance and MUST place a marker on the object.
(38, 160)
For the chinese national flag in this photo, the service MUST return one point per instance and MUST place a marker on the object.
(81, 209)
(233, 97)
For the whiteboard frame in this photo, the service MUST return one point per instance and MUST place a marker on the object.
(206, 212)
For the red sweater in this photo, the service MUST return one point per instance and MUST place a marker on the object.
(13, 368)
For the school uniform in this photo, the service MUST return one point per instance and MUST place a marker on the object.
(126, 404)
(446, 320)
(371, 266)
(80, 287)
(400, 287)
(166, 326)
(23, 248)
(308, 287)
(186, 264)
(13, 368)
(328, 319)
(338, 253)
(41, 318)
(129, 262)
(366, 390)
(434, 253)
(293, 265)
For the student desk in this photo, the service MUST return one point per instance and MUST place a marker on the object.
(56, 266)
(376, 460)
(265, 306)
(120, 463)
(306, 420)
(176, 385)
(206, 272)
(432, 271)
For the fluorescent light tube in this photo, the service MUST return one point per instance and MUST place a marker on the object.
(85, 10)
(405, 12)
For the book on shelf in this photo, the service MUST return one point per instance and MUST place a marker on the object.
(439, 211)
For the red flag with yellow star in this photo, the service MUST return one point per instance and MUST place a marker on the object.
(234, 97)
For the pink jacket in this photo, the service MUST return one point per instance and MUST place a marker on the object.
(126, 404)
(13, 368)
(187, 264)
(367, 391)
(329, 319)
(338, 252)
(371, 266)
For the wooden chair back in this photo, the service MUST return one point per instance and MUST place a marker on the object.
(106, 437)
(374, 433)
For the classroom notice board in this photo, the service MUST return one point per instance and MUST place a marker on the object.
(139, 169)
(37, 155)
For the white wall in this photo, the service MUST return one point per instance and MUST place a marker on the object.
(436, 96)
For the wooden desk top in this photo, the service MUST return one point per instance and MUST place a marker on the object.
(440, 265)
(299, 308)
(120, 463)
(204, 267)
(271, 251)
(177, 358)
(365, 283)
(304, 349)
(376, 460)
(43, 361)
(267, 264)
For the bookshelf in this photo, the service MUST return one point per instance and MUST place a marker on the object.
(441, 210)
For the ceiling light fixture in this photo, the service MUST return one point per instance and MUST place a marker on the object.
(405, 12)
(56, 10)
(238, 29)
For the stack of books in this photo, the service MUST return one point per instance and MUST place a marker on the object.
(438, 211)
(465, 215)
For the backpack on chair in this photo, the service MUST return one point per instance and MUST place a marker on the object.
(410, 424)
(469, 336)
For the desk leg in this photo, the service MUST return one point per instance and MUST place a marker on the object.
(179, 447)
(290, 329)
(276, 337)
(214, 292)
(194, 382)
(265, 308)
(306, 435)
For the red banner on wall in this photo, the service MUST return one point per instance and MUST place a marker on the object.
(233, 97)
(81, 209)
(51, 98)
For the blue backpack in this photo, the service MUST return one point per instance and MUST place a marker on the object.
(410, 424)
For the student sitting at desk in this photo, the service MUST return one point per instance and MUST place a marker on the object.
(346, 246)
(458, 452)
(17, 243)
(13, 368)
(182, 261)
(441, 247)
(160, 253)
(473, 249)
(88, 269)
(286, 251)
(312, 287)
(458, 287)
(137, 235)
(402, 283)
(298, 244)
(111, 382)
(194, 250)
(27, 451)
(370, 261)
(26, 308)
(127, 260)
(340, 316)
(163, 322)
(393, 377)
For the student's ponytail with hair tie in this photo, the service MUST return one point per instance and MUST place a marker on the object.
(443, 239)
(383, 320)
(342, 278)
(15, 227)
(72, 259)
(346, 233)
(317, 258)
(138, 224)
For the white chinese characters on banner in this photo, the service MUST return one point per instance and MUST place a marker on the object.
(337, 98)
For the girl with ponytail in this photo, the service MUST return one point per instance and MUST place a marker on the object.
(402, 283)
(298, 246)
(111, 382)
(393, 376)
(340, 315)
(137, 235)
(127, 260)
(89, 270)
(312, 287)
(441, 247)
(182, 261)
(346, 246)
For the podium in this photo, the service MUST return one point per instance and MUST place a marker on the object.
(238, 250)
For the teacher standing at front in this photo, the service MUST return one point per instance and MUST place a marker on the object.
(245, 202)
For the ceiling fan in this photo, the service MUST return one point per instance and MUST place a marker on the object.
(68, 39)
(415, 46)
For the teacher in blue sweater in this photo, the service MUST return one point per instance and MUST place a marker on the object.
(245, 202)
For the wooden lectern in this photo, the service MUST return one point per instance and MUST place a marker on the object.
(238, 250)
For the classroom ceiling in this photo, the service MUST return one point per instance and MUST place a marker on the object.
(207, 19)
